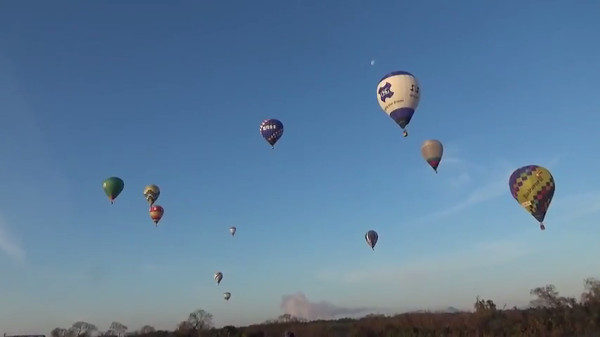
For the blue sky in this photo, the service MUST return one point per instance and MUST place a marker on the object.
(172, 93)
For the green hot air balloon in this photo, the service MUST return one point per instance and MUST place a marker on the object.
(113, 187)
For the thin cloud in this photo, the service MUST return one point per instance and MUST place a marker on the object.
(454, 165)
(9, 245)
(158, 267)
(461, 180)
(494, 188)
(575, 206)
(480, 255)
(453, 160)
(491, 190)
(553, 162)
(453, 155)
(150, 267)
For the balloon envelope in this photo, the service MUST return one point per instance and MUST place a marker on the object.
(432, 151)
(156, 213)
(226, 296)
(232, 230)
(271, 130)
(533, 188)
(398, 94)
(371, 237)
(218, 277)
(113, 187)
(151, 193)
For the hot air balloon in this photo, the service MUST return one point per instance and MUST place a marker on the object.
(226, 296)
(232, 230)
(398, 94)
(371, 238)
(113, 187)
(218, 277)
(432, 151)
(151, 193)
(533, 187)
(271, 130)
(156, 213)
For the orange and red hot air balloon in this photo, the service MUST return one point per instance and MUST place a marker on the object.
(156, 213)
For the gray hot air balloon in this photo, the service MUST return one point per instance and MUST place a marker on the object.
(371, 238)
(226, 296)
(151, 193)
(432, 151)
(218, 277)
(232, 230)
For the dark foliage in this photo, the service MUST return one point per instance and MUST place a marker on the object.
(549, 315)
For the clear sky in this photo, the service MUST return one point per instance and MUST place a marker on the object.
(173, 92)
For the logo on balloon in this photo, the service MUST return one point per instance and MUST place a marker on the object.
(385, 92)
(268, 127)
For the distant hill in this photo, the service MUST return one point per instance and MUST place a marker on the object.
(444, 310)
(451, 310)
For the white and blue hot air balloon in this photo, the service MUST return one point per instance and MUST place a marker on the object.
(398, 94)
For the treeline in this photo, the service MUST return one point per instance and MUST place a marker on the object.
(549, 315)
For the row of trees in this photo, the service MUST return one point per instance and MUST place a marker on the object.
(198, 320)
(549, 315)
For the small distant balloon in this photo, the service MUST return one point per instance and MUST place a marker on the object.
(372, 62)
(156, 213)
(226, 296)
(218, 277)
(398, 94)
(232, 230)
(533, 187)
(113, 186)
(151, 193)
(371, 237)
(271, 130)
(432, 151)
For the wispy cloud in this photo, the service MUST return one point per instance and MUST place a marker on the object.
(461, 180)
(575, 206)
(149, 267)
(554, 161)
(495, 187)
(479, 255)
(10, 245)
(492, 189)
(455, 166)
